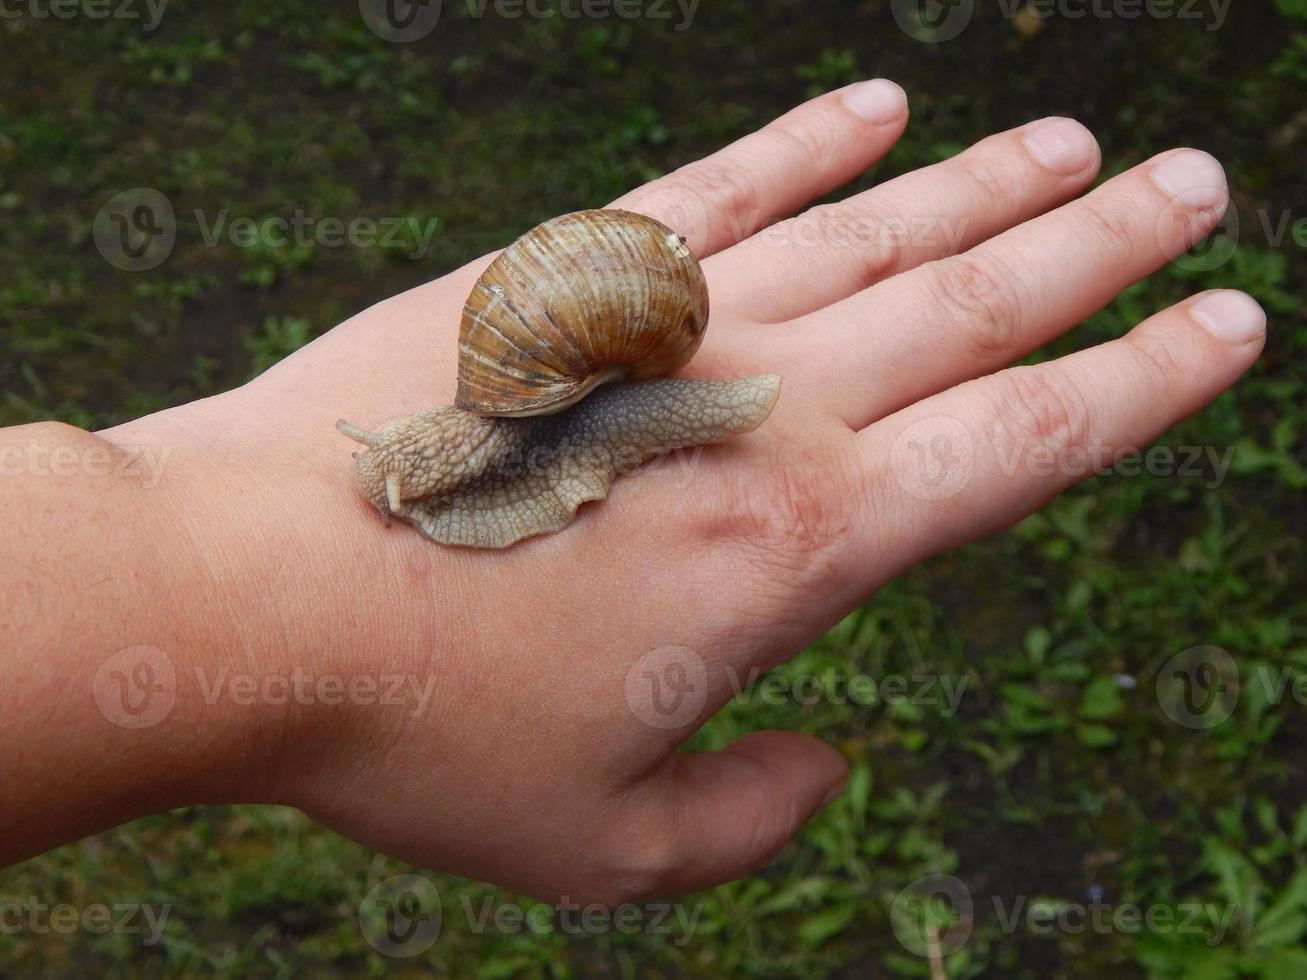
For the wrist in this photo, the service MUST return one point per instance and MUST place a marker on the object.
(106, 614)
(215, 728)
(313, 632)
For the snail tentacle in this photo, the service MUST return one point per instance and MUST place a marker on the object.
(540, 423)
(540, 470)
(357, 434)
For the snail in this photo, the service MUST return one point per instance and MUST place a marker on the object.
(563, 349)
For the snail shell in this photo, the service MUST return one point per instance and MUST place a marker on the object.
(580, 300)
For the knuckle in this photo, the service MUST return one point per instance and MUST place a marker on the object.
(631, 860)
(1039, 407)
(725, 190)
(984, 303)
(789, 520)
(989, 181)
(865, 233)
(1108, 223)
(876, 262)
(1156, 358)
(810, 140)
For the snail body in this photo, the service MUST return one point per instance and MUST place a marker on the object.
(596, 298)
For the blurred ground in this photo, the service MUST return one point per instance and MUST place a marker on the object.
(1058, 782)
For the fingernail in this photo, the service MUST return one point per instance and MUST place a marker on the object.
(1231, 316)
(1062, 145)
(877, 101)
(1194, 177)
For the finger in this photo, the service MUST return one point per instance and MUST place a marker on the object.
(724, 198)
(966, 315)
(923, 215)
(721, 815)
(715, 202)
(977, 458)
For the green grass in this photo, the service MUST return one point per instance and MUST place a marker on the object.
(1059, 778)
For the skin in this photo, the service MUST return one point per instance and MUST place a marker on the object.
(530, 765)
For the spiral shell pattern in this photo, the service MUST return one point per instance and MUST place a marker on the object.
(580, 300)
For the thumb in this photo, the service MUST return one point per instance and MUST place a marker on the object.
(730, 811)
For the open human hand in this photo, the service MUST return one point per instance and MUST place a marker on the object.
(547, 757)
